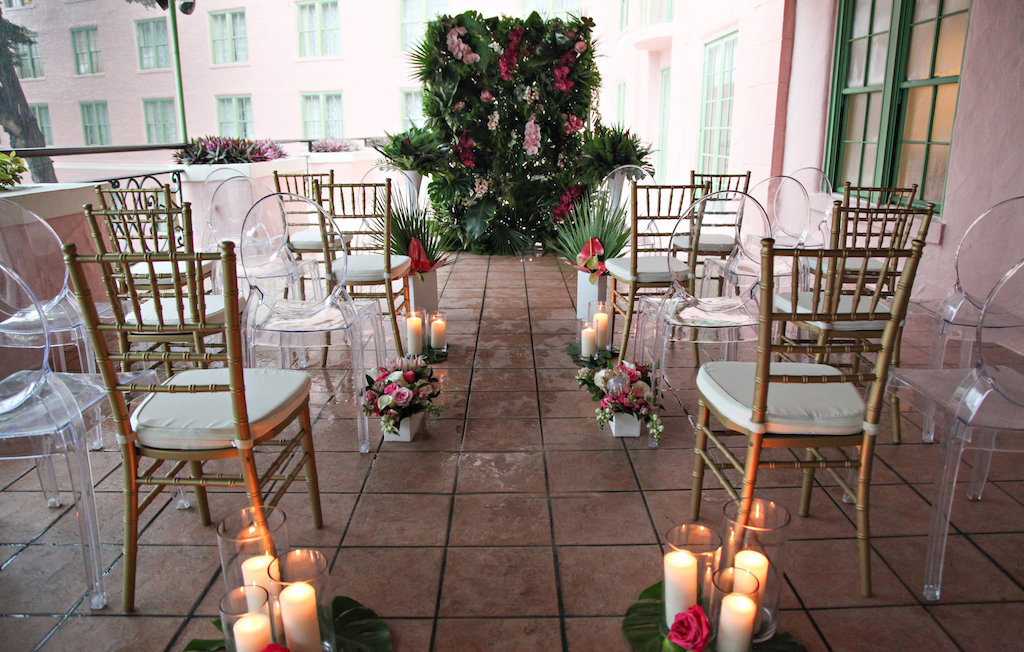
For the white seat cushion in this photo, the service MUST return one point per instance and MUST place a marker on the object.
(309, 240)
(369, 268)
(852, 264)
(169, 310)
(165, 272)
(711, 243)
(805, 301)
(205, 420)
(649, 269)
(793, 408)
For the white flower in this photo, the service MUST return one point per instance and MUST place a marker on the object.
(394, 377)
(601, 377)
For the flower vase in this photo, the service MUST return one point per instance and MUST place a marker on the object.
(423, 291)
(413, 180)
(408, 428)
(625, 425)
(589, 290)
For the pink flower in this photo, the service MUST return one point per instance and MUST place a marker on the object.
(486, 96)
(464, 149)
(632, 373)
(691, 629)
(390, 389)
(408, 376)
(369, 396)
(402, 396)
(580, 47)
(458, 106)
(492, 121)
(471, 57)
(509, 61)
(531, 139)
(573, 124)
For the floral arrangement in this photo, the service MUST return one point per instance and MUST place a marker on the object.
(593, 232)
(208, 150)
(510, 98)
(608, 148)
(690, 631)
(12, 167)
(417, 149)
(402, 388)
(414, 235)
(623, 389)
(333, 145)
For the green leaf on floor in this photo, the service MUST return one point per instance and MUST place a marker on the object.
(358, 628)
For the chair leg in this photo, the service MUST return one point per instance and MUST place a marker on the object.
(942, 506)
(312, 482)
(700, 448)
(627, 323)
(80, 473)
(807, 485)
(867, 452)
(897, 426)
(196, 467)
(394, 319)
(979, 473)
(48, 481)
(131, 532)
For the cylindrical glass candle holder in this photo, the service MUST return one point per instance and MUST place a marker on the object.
(249, 540)
(733, 609)
(600, 316)
(755, 541)
(417, 332)
(691, 557)
(299, 589)
(588, 341)
(245, 619)
(438, 331)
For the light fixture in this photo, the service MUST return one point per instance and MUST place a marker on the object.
(187, 6)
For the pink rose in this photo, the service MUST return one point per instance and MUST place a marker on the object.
(402, 396)
(369, 397)
(691, 630)
(408, 376)
(458, 106)
(486, 95)
(633, 374)
(390, 389)
(580, 47)
(382, 376)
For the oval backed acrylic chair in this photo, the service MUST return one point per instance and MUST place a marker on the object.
(781, 401)
(978, 407)
(300, 326)
(617, 181)
(41, 416)
(981, 257)
(210, 409)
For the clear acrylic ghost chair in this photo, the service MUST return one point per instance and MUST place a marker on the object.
(819, 195)
(300, 326)
(615, 183)
(979, 407)
(41, 415)
(981, 257)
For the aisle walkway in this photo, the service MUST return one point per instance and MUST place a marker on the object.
(516, 524)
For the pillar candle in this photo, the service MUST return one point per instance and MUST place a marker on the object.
(298, 614)
(601, 324)
(757, 564)
(438, 333)
(414, 329)
(251, 633)
(588, 342)
(735, 623)
(680, 583)
(254, 573)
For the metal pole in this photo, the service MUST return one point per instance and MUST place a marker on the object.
(176, 54)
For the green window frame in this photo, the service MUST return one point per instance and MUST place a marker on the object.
(28, 62)
(716, 102)
(229, 40)
(85, 44)
(620, 104)
(412, 109)
(623, 14)
(319, 28)
(42, 116)
(95, 123)
(12, 4)
(414, 15)
(161, 120)
(894, 93)
(153, 45)
(234, 116)
(664, 114)
(322, 115)
(656, 11)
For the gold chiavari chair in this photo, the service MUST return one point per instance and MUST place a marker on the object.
(211, 409)
(793, 405)
(304, 229)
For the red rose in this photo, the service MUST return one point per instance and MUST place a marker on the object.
(691, 629)
(275, 647)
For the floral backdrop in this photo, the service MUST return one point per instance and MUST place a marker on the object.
(510, 97)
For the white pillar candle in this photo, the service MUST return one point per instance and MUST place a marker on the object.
(735, 623)
(254, 573)
(601, 324)
(438, 333)
(298, 614)
(757, 565)
(588, 342)
(680, 583)
(414, 338)
(251, 633)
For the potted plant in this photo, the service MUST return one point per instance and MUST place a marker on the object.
(12, 167)
(211, 150)
(413, 234)
(625, 396)
(605, 150)
(594, 231)
(401, 395)
(417, 152)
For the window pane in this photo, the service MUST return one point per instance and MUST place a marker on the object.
(919, 110)
(858, 63)
(874, 125)
(945, 107)
(919, 61)
(950, 52)
(879, 51)
(861, 17)
(850, 170)
(883, 15)
(329, 24)
(949, 6)
(924, 9)
(855, 114)
(239, 40)
(911, 165)
(935, 182)
(867, 166)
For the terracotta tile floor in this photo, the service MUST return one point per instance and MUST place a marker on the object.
(515, 524)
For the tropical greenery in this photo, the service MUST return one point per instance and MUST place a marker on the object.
(410, 222)
(510, 99)
(219, 149)
(593, 218)
(12, 167)
(332, 145)
(608, 148)
(418, 150)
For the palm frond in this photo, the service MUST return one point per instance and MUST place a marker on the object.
(597, 218)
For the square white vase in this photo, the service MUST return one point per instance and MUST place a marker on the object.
(408, 428)
(625, 425)
(589, 290)
(423, 293)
